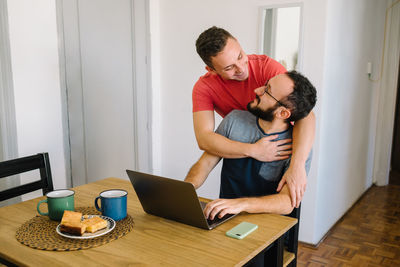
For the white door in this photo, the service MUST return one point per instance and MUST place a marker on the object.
(99, 47)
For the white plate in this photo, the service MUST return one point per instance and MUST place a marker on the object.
(109, 228)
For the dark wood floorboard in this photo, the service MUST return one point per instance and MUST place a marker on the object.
(368, 235)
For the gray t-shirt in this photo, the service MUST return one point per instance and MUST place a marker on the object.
(247, 176)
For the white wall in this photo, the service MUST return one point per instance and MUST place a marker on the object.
(35, 67)
(340, 37)
(312, 62)
(180, 23)
(345, 161)
(180, 67)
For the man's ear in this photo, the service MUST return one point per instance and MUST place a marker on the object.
(283, 113)
(210, 70)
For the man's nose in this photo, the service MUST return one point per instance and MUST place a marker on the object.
(239, 69)
(259, 91)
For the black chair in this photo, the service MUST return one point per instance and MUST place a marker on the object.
(21, 165)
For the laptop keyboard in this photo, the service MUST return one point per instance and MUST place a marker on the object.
(216, 220)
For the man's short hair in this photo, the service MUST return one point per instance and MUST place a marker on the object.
(211, 42)
(303, 98)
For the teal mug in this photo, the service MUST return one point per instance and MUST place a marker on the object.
(57, 201)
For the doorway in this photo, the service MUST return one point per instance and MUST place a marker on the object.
(281, 35)
(394, 175)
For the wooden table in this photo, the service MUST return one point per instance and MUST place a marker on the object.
(154, 241)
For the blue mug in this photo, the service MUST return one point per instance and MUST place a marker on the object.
(113, 203)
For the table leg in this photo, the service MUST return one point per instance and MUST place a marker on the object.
(6, 262)
(274, 255)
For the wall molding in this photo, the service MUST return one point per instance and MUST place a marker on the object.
(71, 77)
(8, 124)
(7, 104)
(142, 85)
(64, 96)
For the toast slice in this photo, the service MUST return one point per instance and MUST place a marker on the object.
(73, 229)
(71, 223)
(94, 224)
(71, 217)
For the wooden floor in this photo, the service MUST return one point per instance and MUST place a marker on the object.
(368, 235)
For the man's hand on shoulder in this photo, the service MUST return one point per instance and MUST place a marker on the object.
(296, 180)
(266, 149)
(221, 207)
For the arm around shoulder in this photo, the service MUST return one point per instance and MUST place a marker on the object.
(265, 149)
(295, 176)
(303, 138)
(208, 140)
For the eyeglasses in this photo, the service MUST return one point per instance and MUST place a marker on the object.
(266, 91)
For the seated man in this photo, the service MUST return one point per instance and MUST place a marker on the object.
(247, 184)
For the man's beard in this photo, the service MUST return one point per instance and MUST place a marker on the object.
(266, 115)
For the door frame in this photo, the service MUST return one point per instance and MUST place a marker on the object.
(75, 153)
(386, 99)
(396, 129)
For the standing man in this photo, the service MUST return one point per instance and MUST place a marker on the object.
(229, 84)
(247, 184)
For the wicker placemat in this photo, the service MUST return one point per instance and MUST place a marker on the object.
(40, 233)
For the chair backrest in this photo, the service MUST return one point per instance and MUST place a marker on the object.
(21, 165)
(292, 245)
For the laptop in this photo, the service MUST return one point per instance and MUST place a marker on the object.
(172, 199)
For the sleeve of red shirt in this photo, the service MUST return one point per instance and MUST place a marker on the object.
(201, 98)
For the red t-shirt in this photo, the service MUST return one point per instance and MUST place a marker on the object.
(211, 92)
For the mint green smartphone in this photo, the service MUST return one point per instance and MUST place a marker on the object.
(241, 230)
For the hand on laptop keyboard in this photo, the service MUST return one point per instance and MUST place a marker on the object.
(222, 207)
